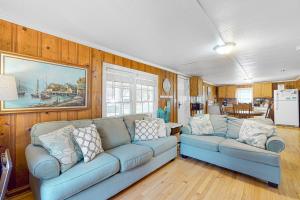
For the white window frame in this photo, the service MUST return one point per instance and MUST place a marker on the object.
(237, 94)
(133, 77)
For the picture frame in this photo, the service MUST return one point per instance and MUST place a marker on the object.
(44, 85)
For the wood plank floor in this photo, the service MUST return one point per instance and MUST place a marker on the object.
(191, 179)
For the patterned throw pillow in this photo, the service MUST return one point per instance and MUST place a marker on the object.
(162, 128)
(60, 144)
(146, 130)
(89, 142)
(255, 133)
(201, 125)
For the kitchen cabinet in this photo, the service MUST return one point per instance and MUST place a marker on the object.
(196, 86)
(226, 92)
(222, 92)
(230, 91)
(262, 90)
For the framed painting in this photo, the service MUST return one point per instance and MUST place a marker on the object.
(43, 85)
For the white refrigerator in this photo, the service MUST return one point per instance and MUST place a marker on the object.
(286, 107)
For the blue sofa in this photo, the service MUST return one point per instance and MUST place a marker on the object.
(224, 150)
(121, 164)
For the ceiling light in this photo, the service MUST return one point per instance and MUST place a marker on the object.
(225, 48)
(283, 70)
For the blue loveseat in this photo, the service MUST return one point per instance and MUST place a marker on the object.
(121, 164)
(224, 150)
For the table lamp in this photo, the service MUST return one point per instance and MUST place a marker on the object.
(8, 91)
(8, 88)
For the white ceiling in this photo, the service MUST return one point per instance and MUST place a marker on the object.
(178, 34)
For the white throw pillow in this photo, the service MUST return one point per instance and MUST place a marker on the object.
(146, 130)
(201, 125)
(255, 133)
(89, 142)
(162, 128)
(60, 144)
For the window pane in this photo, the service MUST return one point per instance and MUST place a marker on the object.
(138, 95)
(139, 108)
(118, 84)
(110, 109)
(118, 109)
(144, 93)
(126, 95)
(145, 107)
(117, 94)
(126, 108)
(244, 95)
(151, 107)
(109, 94)
(150, 95)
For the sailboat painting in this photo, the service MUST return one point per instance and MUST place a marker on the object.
(44, 85)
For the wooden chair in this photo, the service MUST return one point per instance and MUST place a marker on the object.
(242, 110)
(270, 111)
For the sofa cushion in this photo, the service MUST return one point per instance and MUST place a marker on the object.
(234, 125)
(160, 145)
(243, 151)
(210, 143)
(131, 155)
(219, 123)
(80, 177)
(129, 121)
(113, 132)
(47, 127)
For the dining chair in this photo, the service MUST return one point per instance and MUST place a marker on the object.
(242, 110)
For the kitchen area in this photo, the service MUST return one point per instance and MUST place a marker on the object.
(208, 98)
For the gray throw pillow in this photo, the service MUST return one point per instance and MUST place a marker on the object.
(60, 144)
(89, 141)
(113, 132)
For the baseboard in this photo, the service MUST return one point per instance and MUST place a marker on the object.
(17, 191)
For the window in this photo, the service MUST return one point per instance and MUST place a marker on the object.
(117, 98)
(244, 95)
(128, 91)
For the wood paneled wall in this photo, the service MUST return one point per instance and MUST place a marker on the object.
(14, 128)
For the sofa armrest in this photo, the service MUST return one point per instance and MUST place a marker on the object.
(275, 144)
(40, 164)
(168, 129)
(186, 130)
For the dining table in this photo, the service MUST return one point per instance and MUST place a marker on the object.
(229, 111)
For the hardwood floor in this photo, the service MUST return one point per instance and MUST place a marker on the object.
(192, 179)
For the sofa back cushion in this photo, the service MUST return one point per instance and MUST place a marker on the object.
(234, 126)
(129, 121)
(113, 132)
(201, 125)
(47, 127)
(219, 123)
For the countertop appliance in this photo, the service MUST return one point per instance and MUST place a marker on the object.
(286, 107)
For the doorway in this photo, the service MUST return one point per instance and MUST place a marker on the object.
(183, 85)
